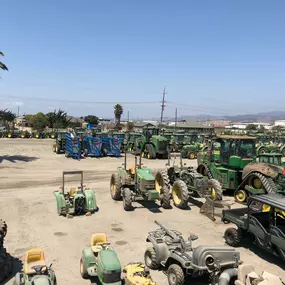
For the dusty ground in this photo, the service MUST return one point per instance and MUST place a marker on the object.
(30, 172)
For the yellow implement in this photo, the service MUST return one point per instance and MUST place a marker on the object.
(137, 274)
(34, 257)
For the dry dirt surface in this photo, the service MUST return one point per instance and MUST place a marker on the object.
(30, 172)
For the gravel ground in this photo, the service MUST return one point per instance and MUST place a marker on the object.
(30, 172)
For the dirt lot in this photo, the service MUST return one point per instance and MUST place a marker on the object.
(30, 172)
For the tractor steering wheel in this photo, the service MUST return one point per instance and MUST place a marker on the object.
(39, 268)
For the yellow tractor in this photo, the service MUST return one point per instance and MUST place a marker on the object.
(137, 274)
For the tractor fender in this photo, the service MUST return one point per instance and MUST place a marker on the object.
(90, 200)
(88, 257)
(60, 201)
(263, 168)
(201, 168)
(161, 250)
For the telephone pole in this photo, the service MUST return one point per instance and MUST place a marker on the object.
(162, 105)
(175, 119)
(128, 116)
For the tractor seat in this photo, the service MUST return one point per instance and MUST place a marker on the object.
(97, 240)
(132, 170)
(34, 257)
(72, 191)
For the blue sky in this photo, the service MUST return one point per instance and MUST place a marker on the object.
(214, 57)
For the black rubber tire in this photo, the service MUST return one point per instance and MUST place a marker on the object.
(127, 199)
(232, 237)
(219, 191)
(115, 180)
(177, 271)
(166, 197)
(83, 270)
(184, 194)
(150, 259)
(150, 149)
(161, 177)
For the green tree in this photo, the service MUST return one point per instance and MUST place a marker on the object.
(57, 119)
(118, 111)
(2, 65)
(38, 121)
(7, 118)
(130, 126)
(92, 120)
(251, 127)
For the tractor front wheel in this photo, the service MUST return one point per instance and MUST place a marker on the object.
(191, 155)
(83, 270)
(150, 258)
(216, 190)
(127, 199)
(232, 237)
(241, 196)
(115, 187)
(180, 194)
(175, 275)
(166, 196)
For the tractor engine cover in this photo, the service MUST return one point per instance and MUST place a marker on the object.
(215, 256)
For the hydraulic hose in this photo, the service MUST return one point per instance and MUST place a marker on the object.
(227, 275)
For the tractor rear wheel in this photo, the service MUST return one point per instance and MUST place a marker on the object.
(180, 194)
(83, 270)
(115, 187)
(127, 199)
(175, 275)
(150, 258)
(232, 236)
(216, 190)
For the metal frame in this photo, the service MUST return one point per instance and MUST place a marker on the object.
(66, 173)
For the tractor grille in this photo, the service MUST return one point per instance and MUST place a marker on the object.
(146, 185)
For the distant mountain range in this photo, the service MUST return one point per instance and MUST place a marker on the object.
(265, 117)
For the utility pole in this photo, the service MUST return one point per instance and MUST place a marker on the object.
(175, 119)
(18, 111)
(162, 105)
(128, 116)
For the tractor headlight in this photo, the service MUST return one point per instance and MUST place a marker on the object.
(210, 261)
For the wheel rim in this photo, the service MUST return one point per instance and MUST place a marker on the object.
(262, 151)
(113, 188)
(9, 136)
(257, 183)
(37, 136)
(158, 183)
(213, 194)
(56, 148)
(148, 260)
(172, 278)
(241, 196)
(142, 154)
(192, 155)
(176, 195)
(229, 236)
(148, 156)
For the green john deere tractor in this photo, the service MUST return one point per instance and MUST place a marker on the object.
(237, 169)
(196, 144)
(155, 145)
(100, 260)
(135, 142)
(76, 200)
(267, 147)
(137, 184)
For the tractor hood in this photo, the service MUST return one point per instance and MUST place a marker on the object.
(41, 280)
(109, 260)
(145, 174)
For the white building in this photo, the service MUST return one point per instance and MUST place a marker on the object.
(280, 123)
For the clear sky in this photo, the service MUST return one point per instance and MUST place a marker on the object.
(214, 57)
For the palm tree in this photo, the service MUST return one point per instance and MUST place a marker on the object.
(2, 65)
(118, 111)
(7, 117)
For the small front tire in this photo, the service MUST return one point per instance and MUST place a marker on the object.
(127, 199)
(175, 275)
(232, 237)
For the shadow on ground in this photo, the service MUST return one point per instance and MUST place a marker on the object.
(17, 266)
(16, 158)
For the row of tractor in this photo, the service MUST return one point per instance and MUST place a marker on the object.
(26, 134)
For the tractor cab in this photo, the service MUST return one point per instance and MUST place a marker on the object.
(149, 132)
(236, 151)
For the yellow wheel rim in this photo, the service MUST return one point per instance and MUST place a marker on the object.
(262, 151)
(158, 184)
(56, 148)
(214, 194)
(176, 195)
(9, 136)
(113, 189)
(148, 156)
(52, 136)
(37, 136)
(257, 183)
(142, 154)
(192, 155)
(241, 196)
(22, 136)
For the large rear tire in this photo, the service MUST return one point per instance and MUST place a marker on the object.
(175, 275)
(115, 187)
(150, 259)
(216, 190)
(180, 194)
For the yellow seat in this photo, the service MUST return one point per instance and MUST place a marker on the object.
(34, 257)
(133, 170)
(72, 191)
(97, 240)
